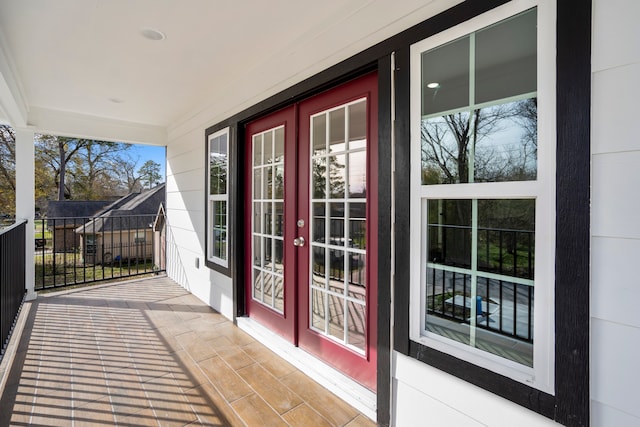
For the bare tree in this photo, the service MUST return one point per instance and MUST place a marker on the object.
(7, 170)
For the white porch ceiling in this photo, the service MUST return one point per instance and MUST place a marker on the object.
(82, 67)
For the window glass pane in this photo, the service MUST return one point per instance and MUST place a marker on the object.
(492, 144)
(449, 232)
(506, 237)
(506, 145)
(358, 125)
(219, 226)
(445, 149)
(445, 77)
(490, 306)
(278, 218)
(336, 317)
(218, 165)
(506, 58)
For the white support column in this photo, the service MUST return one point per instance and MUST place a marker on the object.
(25, 199)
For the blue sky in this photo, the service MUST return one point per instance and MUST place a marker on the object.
(149, 152)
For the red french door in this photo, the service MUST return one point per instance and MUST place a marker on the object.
(312, 232)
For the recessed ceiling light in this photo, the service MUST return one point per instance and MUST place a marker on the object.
(116, 100)
(151, 34)
(433, 85)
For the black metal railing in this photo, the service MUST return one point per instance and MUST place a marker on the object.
(502, 305)
(12, 279)
(73, 251)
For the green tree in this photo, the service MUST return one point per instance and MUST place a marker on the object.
(150, 173)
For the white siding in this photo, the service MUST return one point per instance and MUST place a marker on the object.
(424, 395)
(185, 217)
(615, 224)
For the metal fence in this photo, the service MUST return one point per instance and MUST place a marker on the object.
(72, 251)
(12, 279)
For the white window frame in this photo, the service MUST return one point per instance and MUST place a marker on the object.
(543, 190)
(211, 198)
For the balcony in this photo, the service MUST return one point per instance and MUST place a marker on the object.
(147, 352)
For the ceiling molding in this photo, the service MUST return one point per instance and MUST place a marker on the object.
(54, 122)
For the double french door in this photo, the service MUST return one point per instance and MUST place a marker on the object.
(311, 236)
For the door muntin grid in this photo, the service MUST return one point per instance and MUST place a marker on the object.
(267, 227)
(338, 287)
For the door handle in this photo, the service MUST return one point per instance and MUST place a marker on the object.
(298, 241)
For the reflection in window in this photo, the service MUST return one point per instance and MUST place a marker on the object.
(478, 124)
(491, 144)
(268, 217)
(218, 194)
(479, 274)
(479, 106)
(338, 289)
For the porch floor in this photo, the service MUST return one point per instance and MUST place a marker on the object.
(149, 353)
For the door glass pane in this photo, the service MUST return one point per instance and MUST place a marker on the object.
(358, 174)
(278, 217)
(319, 136)
(278, 145)
(318, 310)
(268, 220)
(336, 316)
(358, 125)
(268, 147)
(318, 222)
(445, 77)
(357, 279)
(356, 324)
(257, 183)
(336, 130)
(257, 150)
(336, 224)
(278, 255)
(337, 165)
(279, 182)
(358, 225)
(319, 177)
(257, 284)
(318, 263)
(336, 271)
(278, 296)
(338, 260)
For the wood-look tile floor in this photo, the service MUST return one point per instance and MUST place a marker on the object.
(148, 353)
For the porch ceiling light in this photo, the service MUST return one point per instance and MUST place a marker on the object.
(151, 34)
(433, 85)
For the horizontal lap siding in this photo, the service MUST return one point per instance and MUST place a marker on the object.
(615, 235)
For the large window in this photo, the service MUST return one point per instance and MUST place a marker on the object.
(482, 193)
(218, 250)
